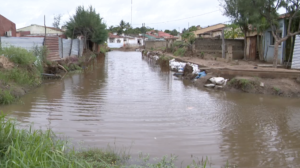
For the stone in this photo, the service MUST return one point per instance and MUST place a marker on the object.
(262, 84)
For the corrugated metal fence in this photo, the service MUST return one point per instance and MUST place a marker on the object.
(296, 55)
(29, 43)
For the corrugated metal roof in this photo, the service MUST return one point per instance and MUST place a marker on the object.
(296, 55)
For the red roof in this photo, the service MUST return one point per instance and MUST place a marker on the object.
(114, 36)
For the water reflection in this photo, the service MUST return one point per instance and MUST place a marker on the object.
(131, 100)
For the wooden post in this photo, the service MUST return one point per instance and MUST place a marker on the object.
(45, 25)
(223, 44)
(78, 47)
(0, 43)
(62, 48)
(71, 45)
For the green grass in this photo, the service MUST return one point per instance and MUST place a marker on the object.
(21, 76)
(276, 89)
(35, 148)
(6, 97)
(18, 55)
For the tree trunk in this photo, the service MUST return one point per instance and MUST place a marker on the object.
(276, 46)
(245, 45)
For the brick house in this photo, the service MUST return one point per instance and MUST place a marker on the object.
(7, 27)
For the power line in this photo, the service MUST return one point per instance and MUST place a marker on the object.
(179, 19)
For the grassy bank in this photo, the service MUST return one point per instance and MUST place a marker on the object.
(19, 70)
(24, 148)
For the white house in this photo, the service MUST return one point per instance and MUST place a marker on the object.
(116, 41)
(37, 30)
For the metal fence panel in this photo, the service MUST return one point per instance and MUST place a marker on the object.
(23, 42)
(296, 55)
(76, 47)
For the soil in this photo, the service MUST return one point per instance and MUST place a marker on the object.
(285, 87)
(5, 63)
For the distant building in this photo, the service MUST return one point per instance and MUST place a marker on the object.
(214, 31)
(118, 41)
(7, 27)
(37, 30)
(159, 35)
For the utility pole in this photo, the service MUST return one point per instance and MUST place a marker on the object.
(45, 25)
(131, 13)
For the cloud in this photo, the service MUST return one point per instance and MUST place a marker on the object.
(154, 13)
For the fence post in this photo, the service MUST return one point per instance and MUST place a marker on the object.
(62, 47)
(78, 47)
(0, 43)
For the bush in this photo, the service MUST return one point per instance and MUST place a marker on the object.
(180, 52)
(21, 76)
(6, 97)
(18, 55)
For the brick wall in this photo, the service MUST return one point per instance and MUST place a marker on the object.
(214, 47)
(7, 25)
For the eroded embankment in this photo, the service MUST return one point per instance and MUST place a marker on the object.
(285, 83)
(22, 70)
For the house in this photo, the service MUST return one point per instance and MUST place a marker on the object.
(37, 30)
(210, 31)
(268, 42)
(159, 35)
(118, 41)
(7, 27)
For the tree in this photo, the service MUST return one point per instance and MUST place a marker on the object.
(174, 32)
(242, 13)
(56, 22)
(233, 31)
(87, 23)
(167, 31)
(123, 26)
(184, 30)
(188, 37)
(268, 9)
(193, 28)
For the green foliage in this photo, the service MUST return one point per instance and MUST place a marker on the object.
(87, 23)
(233, 31)
(6, 97)
(276, 89)
(174, 32)
(21, 76)
(193, 28)
(189, 37)
(18, 55)
(180, 52)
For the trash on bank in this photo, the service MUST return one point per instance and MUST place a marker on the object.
(179, 66)
(201, 74)
(218, 80)
(211, 85)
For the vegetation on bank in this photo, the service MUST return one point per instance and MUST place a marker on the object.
(24, 71)
(36, 148)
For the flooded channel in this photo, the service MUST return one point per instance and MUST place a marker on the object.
(138, 104)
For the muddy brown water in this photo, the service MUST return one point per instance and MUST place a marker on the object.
(131, 101)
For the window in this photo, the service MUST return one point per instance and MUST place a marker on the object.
(118, 41)
(111, 40)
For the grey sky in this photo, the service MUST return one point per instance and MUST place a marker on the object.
(27, 12)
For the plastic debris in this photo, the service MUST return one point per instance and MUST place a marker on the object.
(201, 74)
(179, 66)
(211, 85)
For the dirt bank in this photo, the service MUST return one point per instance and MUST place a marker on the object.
(243, 76)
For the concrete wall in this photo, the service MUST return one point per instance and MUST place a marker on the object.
(7, 25)
(40, 30)
(214, 46)
(155, 44)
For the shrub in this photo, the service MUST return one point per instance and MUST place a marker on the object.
(180, 52)
(18, 55)
(6, 97)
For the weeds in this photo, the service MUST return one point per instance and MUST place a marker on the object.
(18, 55)
(180, 52)
(6, 97)
(276, 89)
(21, 76)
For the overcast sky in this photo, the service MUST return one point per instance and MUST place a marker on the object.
(160, 14)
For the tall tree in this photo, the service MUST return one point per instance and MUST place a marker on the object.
(87, 23)
(174, 32)
(242, 13)
(56, 21)
(167, 31)
(193, 28)
(233, 31)
(268, 9)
